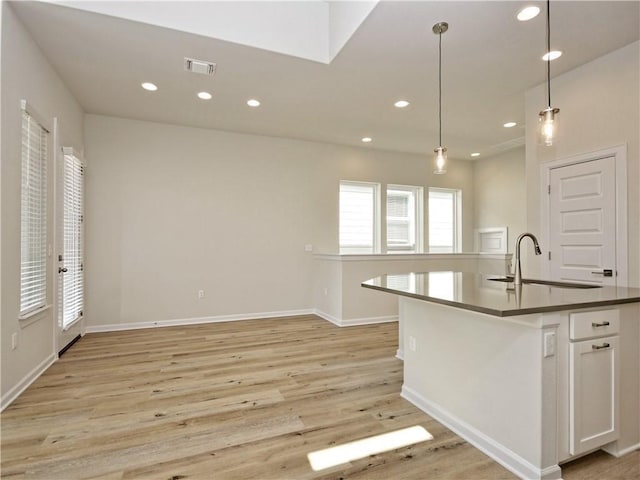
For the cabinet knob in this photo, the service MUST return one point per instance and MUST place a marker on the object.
(599, 347)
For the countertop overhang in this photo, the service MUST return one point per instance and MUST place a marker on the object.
(477, 292)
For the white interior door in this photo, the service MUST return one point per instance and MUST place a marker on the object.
(582, 222)
(70, 246)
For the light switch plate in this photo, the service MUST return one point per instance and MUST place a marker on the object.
(549, 344)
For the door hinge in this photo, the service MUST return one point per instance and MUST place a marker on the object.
(549, 254)
(59, 258)
(549, 189)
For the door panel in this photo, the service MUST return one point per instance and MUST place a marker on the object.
(582, 220)
(70, 241)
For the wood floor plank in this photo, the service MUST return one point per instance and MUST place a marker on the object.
(237, 400)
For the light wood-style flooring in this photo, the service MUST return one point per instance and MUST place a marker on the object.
(237, 400)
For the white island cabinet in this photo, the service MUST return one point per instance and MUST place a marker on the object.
(594, 379)
(533, 376)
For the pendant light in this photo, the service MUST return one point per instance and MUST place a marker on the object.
(440, 158)
(548, 124)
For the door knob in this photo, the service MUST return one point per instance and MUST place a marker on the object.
(606, 273)
(62, 269)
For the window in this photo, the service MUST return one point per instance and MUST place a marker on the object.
(444, 220)
(359, 217)
(404, 219)
(71, 286)
(33, 216)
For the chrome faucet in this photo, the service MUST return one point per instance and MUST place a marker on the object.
(517, 277)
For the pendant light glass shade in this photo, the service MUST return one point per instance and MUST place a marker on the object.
(440, 158)
(547, 119)
(548, 126)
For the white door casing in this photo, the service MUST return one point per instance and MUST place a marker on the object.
(584, 220)
(64, 335)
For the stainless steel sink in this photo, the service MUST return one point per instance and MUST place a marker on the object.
(549, 283)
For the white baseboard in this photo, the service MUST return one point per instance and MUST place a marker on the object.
(115, 327)
(327, 317)
(352, 322)
(498, 452)
(620, 453)
(31, 377)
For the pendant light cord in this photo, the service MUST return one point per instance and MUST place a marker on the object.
(440, 88)
(548, 53)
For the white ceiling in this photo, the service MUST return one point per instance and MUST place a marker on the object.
(489, 61)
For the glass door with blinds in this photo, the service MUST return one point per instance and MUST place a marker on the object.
(70, 246)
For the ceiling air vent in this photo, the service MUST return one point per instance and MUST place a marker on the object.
(508, 145)
(199, 66)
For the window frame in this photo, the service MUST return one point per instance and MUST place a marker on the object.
(31, 304)
(361, 249)
(416, 219)
(456, 221)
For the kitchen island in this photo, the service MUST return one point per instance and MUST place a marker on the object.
(534, 375)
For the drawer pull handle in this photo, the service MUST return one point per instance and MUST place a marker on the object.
(603, 324)
(599, 347)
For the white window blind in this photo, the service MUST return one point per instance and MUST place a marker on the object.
(404, 215)
(33, 224)
(358, 222)
(444, 220)
(71, 285)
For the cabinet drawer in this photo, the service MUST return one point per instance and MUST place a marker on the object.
(593, 324)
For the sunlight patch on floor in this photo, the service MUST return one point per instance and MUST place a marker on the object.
(347, 452)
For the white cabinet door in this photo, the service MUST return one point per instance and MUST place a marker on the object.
(594, 394)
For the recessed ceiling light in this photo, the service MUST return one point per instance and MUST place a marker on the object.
(552, 55)
(475, 154)
(527, 13)
(253, 102)
(367, 139)
(204, 95)
(509, 124)
(401, 104)
(149, 86)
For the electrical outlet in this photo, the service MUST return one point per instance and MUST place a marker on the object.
(14, 341)
(308, 247)
(549, 344)
(412, 344)
(200, 294)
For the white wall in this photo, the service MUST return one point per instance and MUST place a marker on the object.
(361, 164)
(172, 210)
(26, 74)
(598, 109)
(500, 193)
